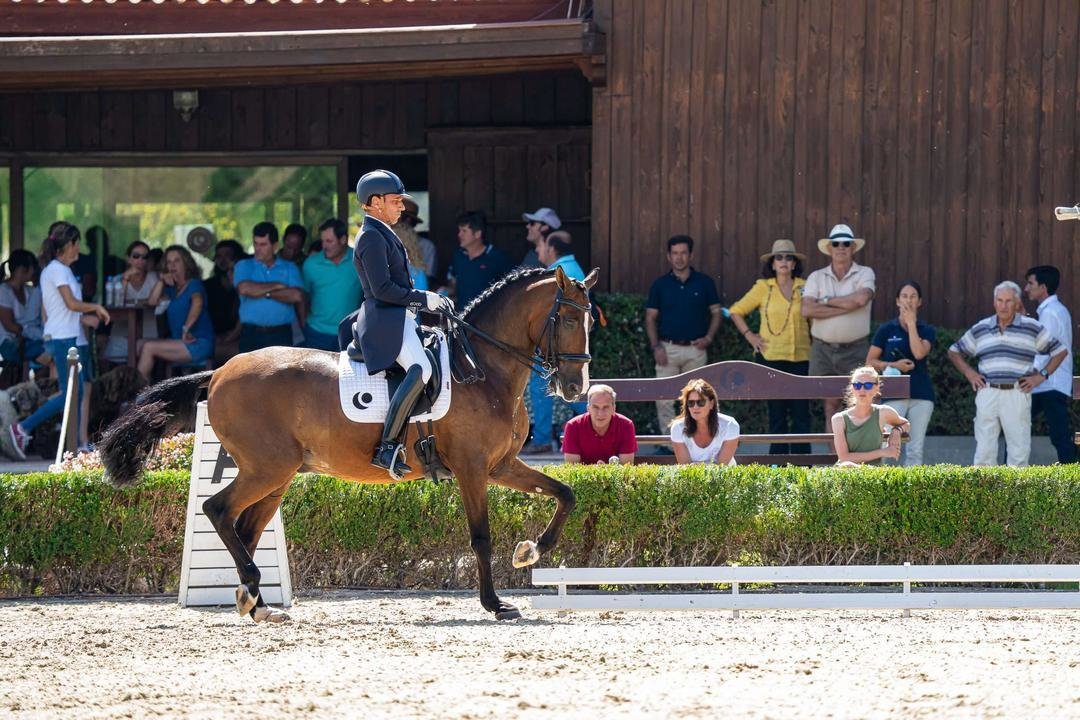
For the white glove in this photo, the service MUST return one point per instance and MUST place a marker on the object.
(436, 302)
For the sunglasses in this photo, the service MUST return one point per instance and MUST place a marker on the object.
(785, 258)
(863, 385)
(841, 243)
(139, 256)
(702, 402)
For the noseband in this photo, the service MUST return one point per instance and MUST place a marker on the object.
(546, 364)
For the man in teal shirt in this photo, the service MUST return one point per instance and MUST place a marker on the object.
(332, 286)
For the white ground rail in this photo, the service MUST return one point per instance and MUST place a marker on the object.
(208, 573)
(900, 598)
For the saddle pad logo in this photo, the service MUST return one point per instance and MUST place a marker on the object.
(364, 398)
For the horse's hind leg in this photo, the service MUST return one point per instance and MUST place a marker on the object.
(520, 476)
(474, 497)
(249, 528)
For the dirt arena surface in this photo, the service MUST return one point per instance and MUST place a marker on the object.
(403, 655)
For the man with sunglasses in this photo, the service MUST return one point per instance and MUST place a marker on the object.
(837, 300)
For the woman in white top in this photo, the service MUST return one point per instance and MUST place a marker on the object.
(137, 283)
(61, 295)
(21, 327)
(701, 434)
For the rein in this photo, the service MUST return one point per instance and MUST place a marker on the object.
(547, 364)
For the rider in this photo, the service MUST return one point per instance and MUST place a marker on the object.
(386, 322)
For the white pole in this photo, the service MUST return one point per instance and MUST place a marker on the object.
(69, 428)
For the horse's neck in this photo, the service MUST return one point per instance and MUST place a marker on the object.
(511, 326)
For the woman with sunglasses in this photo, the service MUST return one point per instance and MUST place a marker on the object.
(137, 282)
(701, 434)
(857, 430)
(782, 341)
(192, 340)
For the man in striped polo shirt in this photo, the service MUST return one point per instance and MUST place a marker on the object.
(1006, 344)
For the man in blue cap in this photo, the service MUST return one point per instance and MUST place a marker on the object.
(386, 322)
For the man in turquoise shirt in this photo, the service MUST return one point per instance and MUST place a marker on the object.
(269, 291)
(553, 251)
(332, 285)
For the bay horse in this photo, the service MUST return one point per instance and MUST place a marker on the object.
(277, 412)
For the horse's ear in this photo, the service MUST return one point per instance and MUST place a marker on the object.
(561, 278)
(592, 278)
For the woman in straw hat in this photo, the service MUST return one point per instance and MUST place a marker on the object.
(782, 341)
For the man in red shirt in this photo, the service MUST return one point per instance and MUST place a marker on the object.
(601, 433)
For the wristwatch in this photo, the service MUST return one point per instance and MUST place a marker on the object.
(1046, 375)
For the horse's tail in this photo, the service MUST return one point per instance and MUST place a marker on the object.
(161, 410)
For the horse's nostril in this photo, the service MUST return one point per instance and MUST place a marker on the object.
(574, 388)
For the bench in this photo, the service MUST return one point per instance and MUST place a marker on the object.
(742, 380)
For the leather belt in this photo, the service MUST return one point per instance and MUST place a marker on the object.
(1002, 386)
(684, 343)
(839, 346)
(266, 328)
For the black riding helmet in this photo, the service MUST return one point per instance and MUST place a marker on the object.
(378, 182)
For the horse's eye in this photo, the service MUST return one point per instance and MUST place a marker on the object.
(570, 322)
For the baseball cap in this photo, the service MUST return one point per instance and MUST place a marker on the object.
(544, 215)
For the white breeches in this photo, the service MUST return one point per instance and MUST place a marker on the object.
(412, 350)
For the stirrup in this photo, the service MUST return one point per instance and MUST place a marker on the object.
(391, 457)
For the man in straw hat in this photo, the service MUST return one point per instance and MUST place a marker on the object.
(837, 300)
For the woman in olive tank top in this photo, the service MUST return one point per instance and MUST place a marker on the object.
(857, 430)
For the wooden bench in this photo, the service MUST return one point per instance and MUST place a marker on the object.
(742, 380)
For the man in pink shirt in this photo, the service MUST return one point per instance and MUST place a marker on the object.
(601, 433)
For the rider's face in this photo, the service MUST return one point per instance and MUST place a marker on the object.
(387, 208)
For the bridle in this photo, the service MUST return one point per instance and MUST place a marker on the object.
(547, 363)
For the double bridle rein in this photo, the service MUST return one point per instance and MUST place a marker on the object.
(546, 364)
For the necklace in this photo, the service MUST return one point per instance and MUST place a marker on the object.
(787, 315)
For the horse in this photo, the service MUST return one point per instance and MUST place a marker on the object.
(277, 413)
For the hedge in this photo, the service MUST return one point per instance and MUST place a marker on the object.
(621, 349)
(74, 533)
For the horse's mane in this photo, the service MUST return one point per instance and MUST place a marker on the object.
(518, 274)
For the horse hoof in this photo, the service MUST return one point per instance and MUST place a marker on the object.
(525, 554)
(507, 612)
(244, 599)
(265, 613)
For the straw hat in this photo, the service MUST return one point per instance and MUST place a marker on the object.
(840, 232)
(782, 247)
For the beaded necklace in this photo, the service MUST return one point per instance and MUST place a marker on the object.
(787, 315)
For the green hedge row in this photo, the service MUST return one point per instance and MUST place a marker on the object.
(621, 349)
(74, 533)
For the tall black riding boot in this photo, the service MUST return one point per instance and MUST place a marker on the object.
(390, 454)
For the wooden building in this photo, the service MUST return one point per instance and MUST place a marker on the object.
(942, 131)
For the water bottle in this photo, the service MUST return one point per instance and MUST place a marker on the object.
(109, 286)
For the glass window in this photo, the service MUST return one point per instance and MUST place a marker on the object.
(161, 205)
(5, 212)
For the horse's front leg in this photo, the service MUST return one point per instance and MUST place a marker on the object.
(474, 497)
(520, 476)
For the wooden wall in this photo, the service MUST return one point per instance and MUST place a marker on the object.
(944, 132)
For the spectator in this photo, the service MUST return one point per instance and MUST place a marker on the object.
(407, 235)
(601, 433)
(411, 217)
(900, 347)
(476, 263)
(21, 326)
(137, 284)
(1052, 397)
(61, 295)
(270, 288)
(156, 261)
(554, 250)
(782, 341)
(857, 430)
(293, 244)
(223, 300)
(97, 242)
(537, 227)
(332, 286)
(682, 315)
(191, 333)
(837, 298)
(701, 433)
(1006, 344)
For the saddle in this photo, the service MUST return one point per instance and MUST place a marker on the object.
(432, 342)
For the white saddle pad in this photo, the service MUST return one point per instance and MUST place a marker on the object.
(364, 398)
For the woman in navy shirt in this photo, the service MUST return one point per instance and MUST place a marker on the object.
(900, 347)
(191, 331)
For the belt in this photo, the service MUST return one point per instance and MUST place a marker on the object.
(1002, 386)
(839, 346)
(684, 343)
(265, 328)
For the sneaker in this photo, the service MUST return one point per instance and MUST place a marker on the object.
(19, 439)
(536, 449)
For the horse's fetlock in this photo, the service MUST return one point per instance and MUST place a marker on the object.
(251, 575)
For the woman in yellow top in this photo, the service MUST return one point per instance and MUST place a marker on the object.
(782, 342)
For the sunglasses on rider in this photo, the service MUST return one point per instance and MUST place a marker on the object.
(784, 258)
(863, 385)
(841, 243)
(700, 402)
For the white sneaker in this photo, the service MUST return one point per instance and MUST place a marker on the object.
(19, 439)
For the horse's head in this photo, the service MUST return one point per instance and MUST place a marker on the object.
(563, 335)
